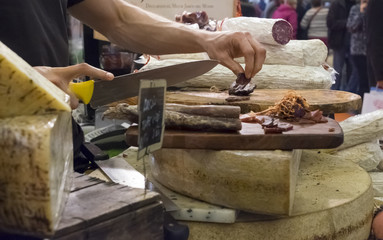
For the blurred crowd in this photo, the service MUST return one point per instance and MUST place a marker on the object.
(350, 29)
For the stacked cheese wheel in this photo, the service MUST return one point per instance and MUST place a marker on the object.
(289, 64)
(35, 146)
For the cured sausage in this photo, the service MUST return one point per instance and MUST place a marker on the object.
(265, 30)
(224, 118)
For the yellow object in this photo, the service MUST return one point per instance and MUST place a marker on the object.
(83, 90)
(24, 91)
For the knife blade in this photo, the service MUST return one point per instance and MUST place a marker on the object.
(128, 85)
(121, 172)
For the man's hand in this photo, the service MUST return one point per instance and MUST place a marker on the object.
(225, 46)
(62, 76)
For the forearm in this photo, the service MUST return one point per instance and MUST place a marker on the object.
(139, 31)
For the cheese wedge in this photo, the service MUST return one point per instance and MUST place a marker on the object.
(36, 162)
(23, 91)
(254, 181)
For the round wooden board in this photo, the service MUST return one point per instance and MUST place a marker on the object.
(328, 101)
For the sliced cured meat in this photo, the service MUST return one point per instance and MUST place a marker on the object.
(200, 17)
(242, 86)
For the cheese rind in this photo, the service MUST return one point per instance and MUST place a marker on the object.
(36, 162)
(254, 181)
(23, 91)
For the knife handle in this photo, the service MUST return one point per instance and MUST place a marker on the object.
(92, 152)
(173, 230)
(83, 90)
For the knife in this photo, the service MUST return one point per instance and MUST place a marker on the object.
(99, 93)
(120, 171)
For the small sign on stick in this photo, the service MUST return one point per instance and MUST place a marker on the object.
(151, 118)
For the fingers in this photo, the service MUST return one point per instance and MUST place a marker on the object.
(84, 69)
(74, 102)
(254, 54)
(234, 66)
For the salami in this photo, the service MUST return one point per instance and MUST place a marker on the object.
(270, 77)
(206, 110)
(311, 52)
(206, 118)
(265, 30)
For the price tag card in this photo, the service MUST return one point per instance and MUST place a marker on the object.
(151, 104)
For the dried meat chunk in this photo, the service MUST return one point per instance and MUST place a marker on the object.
(242, 86)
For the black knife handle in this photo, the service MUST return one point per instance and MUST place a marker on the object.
(173, 230)
(92, 152)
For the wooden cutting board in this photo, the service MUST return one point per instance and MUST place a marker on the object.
(252, 137)
(328, 101)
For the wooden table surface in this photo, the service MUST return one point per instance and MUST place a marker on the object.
(328, 101)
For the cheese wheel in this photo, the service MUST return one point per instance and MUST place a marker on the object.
(254, 181)
(377, 183)
(23, 91)
(264, 30)
(36, 162)
(333, 200)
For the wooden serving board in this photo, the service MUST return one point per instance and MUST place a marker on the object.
(252, 137)
(328, 101)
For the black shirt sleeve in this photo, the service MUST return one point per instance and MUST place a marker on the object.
(73, 2)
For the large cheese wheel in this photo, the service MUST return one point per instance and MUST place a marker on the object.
(23, 91)
(35, 165)
(254, 181)
(333, 200)
(265, 30)
(270, 77)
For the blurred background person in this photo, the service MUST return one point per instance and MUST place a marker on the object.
(250, 9)
(301, 9)
(339, 40)
(315, 21)
(374, 32)
(287, 11)
(358, 82)
(271, 6)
